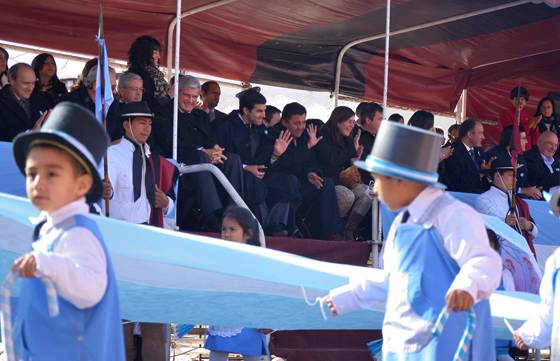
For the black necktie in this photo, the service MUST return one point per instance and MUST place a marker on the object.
(405, 216)
(138, 159)
(473, 157)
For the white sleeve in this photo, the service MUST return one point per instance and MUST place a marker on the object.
(77, 266)
(537, 331)
(484, 205)
(535, 231)
(507, 279)
(466, 241)
(170, 206)
(360, 293)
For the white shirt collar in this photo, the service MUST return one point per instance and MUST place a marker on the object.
(422, 201)
(468, 148)
(78, 206)
(547, 160)
(130, 146)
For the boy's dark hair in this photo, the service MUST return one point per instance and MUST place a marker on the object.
(505, 137)
(293, 109)
(396, 117)
(247, 222)
(250, 99)
(76, 166)
(270, 111)
(440, 131)
(368, 110)
(521, 91)
(422, 119)
(452, 127)
(493, 239)
(467, 126)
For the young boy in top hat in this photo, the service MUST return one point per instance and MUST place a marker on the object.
(141, 191)
(60, 164)
(436, 255)
(543, 328)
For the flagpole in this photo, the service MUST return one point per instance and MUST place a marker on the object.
(102, 80)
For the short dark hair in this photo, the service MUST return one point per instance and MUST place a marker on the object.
(293, 109)
(359, 109)
(467, 126)
(14, 70)
(206, 86)
(270, 111)
(505, 137)
(172, 79)
(396, 117)
(368, 110)
(422, 119)
(440, 131)
(247, 222)
(521, 91)
(7, 56)
(452, 127)
(250, 99)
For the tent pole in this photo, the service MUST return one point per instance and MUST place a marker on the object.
(174, 22)
(176, 84)
(386, 65)
(471, 14)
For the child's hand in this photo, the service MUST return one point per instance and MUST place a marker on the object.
(330, 304)
(459, 300)
(519, 342)
(26, 264)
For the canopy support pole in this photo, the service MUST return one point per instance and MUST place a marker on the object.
(471, 14)
(176, 84)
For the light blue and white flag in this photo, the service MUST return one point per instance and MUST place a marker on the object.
(103, 82)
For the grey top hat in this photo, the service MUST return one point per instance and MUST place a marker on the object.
(405, 152)
(75, 130)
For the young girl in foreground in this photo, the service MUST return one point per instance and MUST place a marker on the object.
(239, 226)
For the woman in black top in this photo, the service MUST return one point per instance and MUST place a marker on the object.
(48, 83)
(336, 152)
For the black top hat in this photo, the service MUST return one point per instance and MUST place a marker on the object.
(500, 164)
(74, 130)
(405, 152)
(135, 109)
(245, 91)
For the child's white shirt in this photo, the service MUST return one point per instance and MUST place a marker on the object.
(464, 239)
(77, 264)
(537, 331)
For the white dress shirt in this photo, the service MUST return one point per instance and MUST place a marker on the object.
(122, 205)
(464, 238)
(77, 264)
(495, 202)
(548, 162)
(537, 331)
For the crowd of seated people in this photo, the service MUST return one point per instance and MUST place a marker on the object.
(295, 174)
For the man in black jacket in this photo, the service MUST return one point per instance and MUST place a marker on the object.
(463, 167)
(369, 120)
(210, 94)
(20, 108)
(543, 167)
(293, 155)
(196, 144)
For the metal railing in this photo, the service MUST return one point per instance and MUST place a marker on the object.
(216, 172)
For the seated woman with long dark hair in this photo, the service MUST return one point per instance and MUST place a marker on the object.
(48, 83)
(143, 59)
(545, 119)
(336, 152)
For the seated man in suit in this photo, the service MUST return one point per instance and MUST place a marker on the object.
(210, 94)
(20, 108)
(293, 155)
(196, 144)
(463, 167)
(543, 167)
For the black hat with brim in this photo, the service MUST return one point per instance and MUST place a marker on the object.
(74, 130)
(500, 165)
(136, 110)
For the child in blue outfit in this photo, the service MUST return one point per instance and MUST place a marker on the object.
(543, 328)
(60, 164)
(240, 226)
(436, 256)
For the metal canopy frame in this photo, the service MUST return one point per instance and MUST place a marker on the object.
(471, 14)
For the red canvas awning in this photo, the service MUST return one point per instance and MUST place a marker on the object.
(295, 43)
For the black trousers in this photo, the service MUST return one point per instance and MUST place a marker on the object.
(324, 217)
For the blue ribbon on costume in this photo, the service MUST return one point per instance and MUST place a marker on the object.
(463, 347)
(7, 331)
